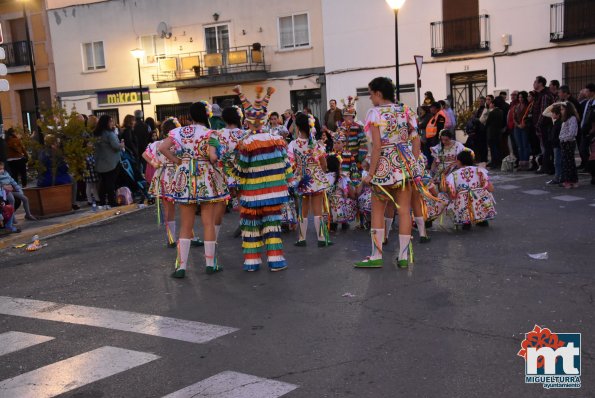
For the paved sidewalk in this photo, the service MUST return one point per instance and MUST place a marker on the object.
(57, 225)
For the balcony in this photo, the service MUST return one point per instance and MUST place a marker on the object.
(201, 69)
(16, 54)
(460, 36)
(572, 20)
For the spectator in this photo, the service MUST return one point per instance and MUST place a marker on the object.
(127, 135)
(568, 133)
(591, 138)
(91, 180)
(494, 124)
(530, 129)
(588, 113)
(565, 95)
(14, 191)
(435, 124)
(317, 126)
(423, 116)
(521, 136)
(514, 101)
(429, 98)
(504, 133)
(152, 126)
(16, 157)
(451, 119)
(556, 114)
(142, 135)
(554, 88)
(6, 214)
(333, 116)
(276, 128)
(503, 95)
(107, 159)
(543, 124)
(216, 121)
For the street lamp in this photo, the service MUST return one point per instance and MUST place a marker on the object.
(31, 63)
(139, 53)
(396, 5)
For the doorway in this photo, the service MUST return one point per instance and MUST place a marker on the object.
(466, 88)
(301, 99)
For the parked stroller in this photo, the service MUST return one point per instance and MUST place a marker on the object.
(132, 177)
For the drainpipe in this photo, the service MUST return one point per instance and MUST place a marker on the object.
(494, 62)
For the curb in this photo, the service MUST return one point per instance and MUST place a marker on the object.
(52, 230)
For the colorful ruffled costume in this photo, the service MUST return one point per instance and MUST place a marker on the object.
(473, 202)
(356, 141)
(263, 172)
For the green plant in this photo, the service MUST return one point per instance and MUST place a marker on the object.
(463, 117)
(65, 141)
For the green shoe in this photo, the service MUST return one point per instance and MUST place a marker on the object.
(300, 243)
(179, 273)
(369, 263)
(196, 242)
(213, 270)
(402, 263)
(322, 243)
(424, 239)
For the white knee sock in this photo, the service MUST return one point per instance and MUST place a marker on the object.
(404, 246)
(210, 247)
(317, 225)
(377, 237)
(217, 229)
(421, 226)
(303, 229)
(183, 249)
(171, 231)
(388, 222)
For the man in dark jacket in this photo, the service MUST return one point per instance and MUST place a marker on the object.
(494, 125)
(333, 116)
(543, 124)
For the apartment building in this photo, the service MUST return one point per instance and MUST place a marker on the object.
(193, 49)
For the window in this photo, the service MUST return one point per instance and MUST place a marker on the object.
(294, 31)
(154, 47)
(578, 74)
(93, 58)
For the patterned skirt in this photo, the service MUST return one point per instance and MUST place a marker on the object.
(313, 182)
(162, 182)
(364, 202)
(289, 214)
(396, 166)
(473, 206)
(198, 181)
(436, 207)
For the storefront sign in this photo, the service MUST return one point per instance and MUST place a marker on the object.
(122, 97)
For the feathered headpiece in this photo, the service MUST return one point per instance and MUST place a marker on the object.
(349, 107)
(208, 107)
(257, 110)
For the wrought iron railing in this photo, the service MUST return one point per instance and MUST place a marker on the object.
(457, 36)
(204, 64)
(572, 20)
(16, 54)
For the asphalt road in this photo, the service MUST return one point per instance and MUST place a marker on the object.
(450, 326)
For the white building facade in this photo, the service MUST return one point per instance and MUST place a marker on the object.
(461, 42)
(194, 50)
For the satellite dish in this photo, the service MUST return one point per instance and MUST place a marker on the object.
(163, 30)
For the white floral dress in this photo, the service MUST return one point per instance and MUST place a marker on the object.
(445, 160)
(196, 180)
(162, 183)
(343, 208)
(305, 160)
(397, 163)
(473, 202)
(226, 141)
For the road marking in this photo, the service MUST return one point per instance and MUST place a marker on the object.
(536, 192)
(592, 205)
(234, 385)
(154, 325)
(15, 341)
(63, 376)
(568, 198)
(508, 187)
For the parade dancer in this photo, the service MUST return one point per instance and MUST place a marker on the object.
(223, 144)
(341, 194)
(357, 143)
(445, 158)
(196, 181)
(391, 127)
(263, 172)
(471, 191)
(162, 182)
(308, 158)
